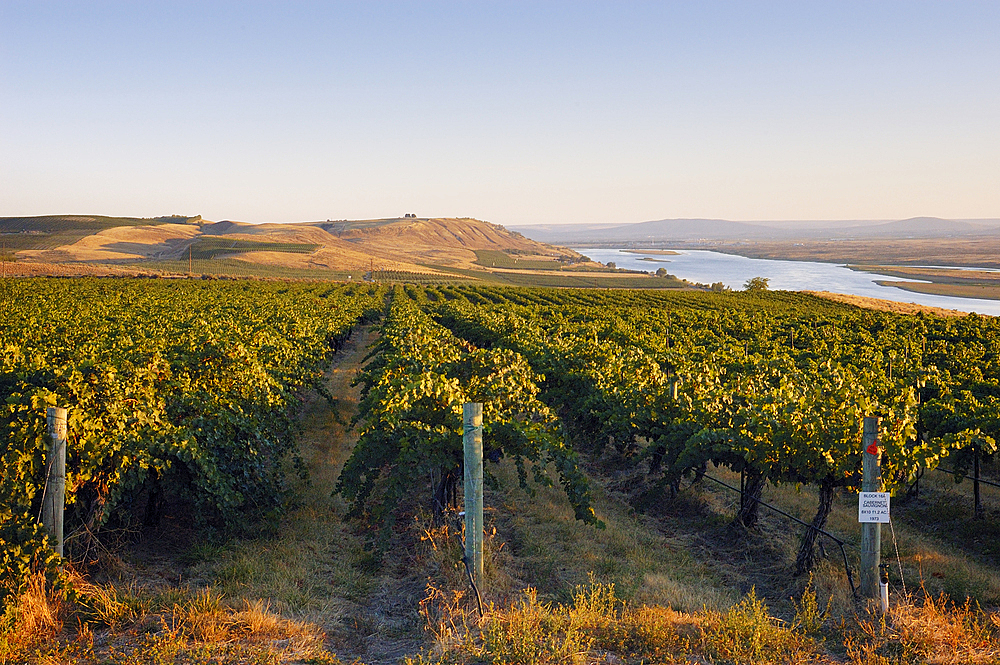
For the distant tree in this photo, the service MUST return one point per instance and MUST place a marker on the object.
(720, 287)
(661, 272)
(611, 264)
(756, 284)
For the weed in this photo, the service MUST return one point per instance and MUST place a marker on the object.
(931, 631)
(808, 617)
(35, 618)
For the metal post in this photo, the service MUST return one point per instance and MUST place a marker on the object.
(977, 499)
(473, 444)
(54, 499)
(871, 534)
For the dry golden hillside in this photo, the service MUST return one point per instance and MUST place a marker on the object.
(413, 245)
(120, 243)
(447, 241)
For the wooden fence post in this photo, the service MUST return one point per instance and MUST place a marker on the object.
(473, 443)
(54, 499)
(871, 533)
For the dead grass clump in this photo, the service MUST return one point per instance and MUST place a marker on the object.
(107, 605)
(647, 632)
(203, 617)
(533, 632)
(196, 626)
(441, 554)
(206, 619)
(598, 626)
(36, 617)
(439, 557)
(933, 631)
(747, 633)
(447, 619)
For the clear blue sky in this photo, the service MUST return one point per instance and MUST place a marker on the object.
(514, 112)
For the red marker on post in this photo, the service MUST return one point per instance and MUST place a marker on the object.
(873, 448)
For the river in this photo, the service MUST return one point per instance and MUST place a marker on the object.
(709, 267)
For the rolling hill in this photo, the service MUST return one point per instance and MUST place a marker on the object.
(409, 245)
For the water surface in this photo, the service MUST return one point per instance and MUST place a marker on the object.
(709, 267)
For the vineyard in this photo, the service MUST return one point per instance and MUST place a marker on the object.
(182, 394)
(177, 392)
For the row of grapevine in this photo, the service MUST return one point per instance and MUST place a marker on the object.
(413, 388)
(178, 392)
(774, 385)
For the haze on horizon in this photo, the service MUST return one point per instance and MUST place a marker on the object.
(516, 112)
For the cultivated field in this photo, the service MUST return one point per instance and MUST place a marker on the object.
(270, 472)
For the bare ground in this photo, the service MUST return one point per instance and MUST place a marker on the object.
(380, 624)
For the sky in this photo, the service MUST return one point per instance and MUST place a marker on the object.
(511, 112)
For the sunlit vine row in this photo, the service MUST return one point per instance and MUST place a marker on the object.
(178, 393)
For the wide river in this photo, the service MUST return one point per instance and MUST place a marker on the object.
(733, 271)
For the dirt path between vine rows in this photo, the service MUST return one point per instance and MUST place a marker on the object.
(327, 439)
(369, 612)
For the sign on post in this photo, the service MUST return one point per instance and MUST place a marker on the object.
(873, 507)
(871, 532)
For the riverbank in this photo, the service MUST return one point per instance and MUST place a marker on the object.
(923, 287)
(972, 251)
(953, 282)
(886, 305)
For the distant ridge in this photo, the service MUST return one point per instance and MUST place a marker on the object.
(689, 230)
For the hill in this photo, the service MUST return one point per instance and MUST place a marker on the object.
(52, 231)
(407, 245)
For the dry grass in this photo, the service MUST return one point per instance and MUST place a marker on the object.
(671, 587)
(554, 553)
(598, 627)
(886, 305)
(931, 631)
(402, 245)
(182, 626)
(37, 617)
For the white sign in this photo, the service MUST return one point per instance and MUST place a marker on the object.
(873, 507)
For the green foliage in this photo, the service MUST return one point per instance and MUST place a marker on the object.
(91, 223)
(411, 415)
(747, 633)
(756, 284)
(211, 246)
(492, 258)
(177, 391)
(809, 618)
(770, 382)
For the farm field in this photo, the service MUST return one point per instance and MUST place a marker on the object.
(270, 472)
(942, 281)
(971, 251)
